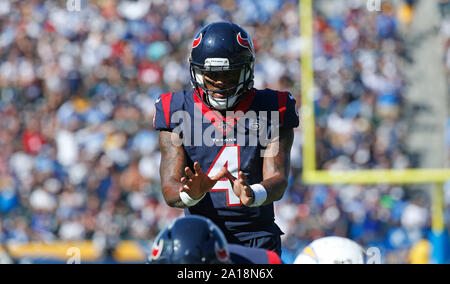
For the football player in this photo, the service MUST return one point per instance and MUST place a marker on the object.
(197, 240)
(221, 173)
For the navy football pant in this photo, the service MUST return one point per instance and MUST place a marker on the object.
(272, 243)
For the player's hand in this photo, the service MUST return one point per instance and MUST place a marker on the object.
(241, 188)
(198, 183)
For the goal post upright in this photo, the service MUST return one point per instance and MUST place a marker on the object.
(307, 86)
(311, 175)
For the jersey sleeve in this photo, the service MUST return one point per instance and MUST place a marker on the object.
(289, 117)
(161, 119)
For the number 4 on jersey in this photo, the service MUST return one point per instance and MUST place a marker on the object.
(228, 157)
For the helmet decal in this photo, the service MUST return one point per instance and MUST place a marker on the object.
(244, 42)
(197, 41)
(157, 249)
(222, 253)
(309, 251)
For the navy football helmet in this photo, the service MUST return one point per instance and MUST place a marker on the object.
(223, 47)
(190, 240)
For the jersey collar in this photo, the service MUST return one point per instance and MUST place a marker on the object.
(223, 124)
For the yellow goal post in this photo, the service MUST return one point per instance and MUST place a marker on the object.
(311, 175)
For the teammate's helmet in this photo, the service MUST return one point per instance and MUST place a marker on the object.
(218, 47)
(331, 250)
(190, 240)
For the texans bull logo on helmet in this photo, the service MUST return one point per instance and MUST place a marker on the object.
(222, 253)
(157, 250)
(197, 41)
(244, 42)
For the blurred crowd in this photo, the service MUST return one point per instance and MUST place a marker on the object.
(80, 159)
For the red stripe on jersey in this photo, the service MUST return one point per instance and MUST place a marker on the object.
(166, 100)
(273, 257)
(282, 101)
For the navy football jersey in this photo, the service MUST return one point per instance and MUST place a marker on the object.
(236, 142)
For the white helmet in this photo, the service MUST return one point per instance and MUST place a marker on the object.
(331, 250)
